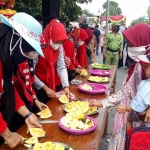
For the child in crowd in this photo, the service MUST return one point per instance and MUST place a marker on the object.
(140, 102)
(142, 99)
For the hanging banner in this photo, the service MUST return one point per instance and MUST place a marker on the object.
(118, 18)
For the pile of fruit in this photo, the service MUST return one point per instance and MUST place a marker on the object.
(49, 146)
(84, 73)
(34, 142)
(80, 106)
(86, 87)
(98, 79)
(100, 66)
(76, 121)
(35, 133)
(91, 110)
(7, 6)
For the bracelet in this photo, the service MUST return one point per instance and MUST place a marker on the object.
(28, 115)
(35, 99)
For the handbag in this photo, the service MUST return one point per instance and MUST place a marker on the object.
(138, 138)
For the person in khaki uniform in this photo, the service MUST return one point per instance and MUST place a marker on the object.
(113, 46)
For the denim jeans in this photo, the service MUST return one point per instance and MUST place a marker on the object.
(97, 47)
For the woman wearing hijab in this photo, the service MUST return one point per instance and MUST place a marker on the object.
(79, 35)
(18, 42)
(47, 68)
(24, 84)
(74, 67)
(138, 38)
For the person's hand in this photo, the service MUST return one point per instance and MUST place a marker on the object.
(120, 55)
(78, 70)
(50, 93)
(11, 138)
(94, 102)
(40, 105)
(32, 122)
(67, 92)
(121, 109)
(104, 54)
(147, 116)
(67, 61)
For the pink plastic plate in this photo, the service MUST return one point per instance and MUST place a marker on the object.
(102, 73)
(78, 132)
(97, 88)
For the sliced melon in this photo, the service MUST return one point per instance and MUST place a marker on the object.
(46, 113)
(39, 146)
(37, 132)
(28, 145)
(84, 73)
(32, 140)
(58, 147)
(63, 99)
(91, 110)
(49, 145)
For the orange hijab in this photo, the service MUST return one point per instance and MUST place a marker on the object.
(45, 67)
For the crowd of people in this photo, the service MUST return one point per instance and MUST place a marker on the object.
(37, 62)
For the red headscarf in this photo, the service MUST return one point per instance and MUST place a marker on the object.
(138, 35)
(79, 34)
(45, 67)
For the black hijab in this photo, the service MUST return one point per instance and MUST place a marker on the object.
(8, 65)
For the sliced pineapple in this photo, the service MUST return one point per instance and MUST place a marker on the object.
(28, 145)
(32, 140)
(37, 132)
(39, 146)
(44, 114)
(84, 73)
(63, 99)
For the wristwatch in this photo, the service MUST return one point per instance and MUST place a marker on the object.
(35, 99)
(28, 115)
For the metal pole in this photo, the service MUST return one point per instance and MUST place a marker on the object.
(107, 16)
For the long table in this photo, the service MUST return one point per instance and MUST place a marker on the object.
(111, 84)
(90, 141)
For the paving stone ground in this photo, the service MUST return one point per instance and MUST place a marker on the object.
(121, 74)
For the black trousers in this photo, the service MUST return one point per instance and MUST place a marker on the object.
(42, 96)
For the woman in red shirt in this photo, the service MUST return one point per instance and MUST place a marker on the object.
(51, 70)
(74, 67)
(18, 42)
(80, 35)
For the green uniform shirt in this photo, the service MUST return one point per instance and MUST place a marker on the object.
(114, 42)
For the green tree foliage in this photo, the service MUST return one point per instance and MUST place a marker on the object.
(136, 21)
(87, 13)
(32, 7)
(148, 12)
(113, 9)
(69, 10)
